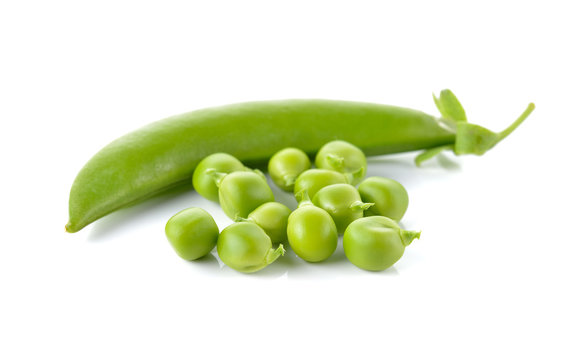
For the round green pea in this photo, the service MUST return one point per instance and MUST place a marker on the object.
(192, 233)
(241, 192)
(375, 243)
(245, 247)
(272, 218)
(389, 196)
(315, 179)
(342, 202)
(286, 165)
(204, 180)
(343, 157)
(311, 233)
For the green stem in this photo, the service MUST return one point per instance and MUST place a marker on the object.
(289, 180)
(473, 138)
(273, 254)
(335, 161)
(430, 153)
(517, 123)
(216, 175)
(304, 198)
(355, 175)
(408, 236)
(359, 205)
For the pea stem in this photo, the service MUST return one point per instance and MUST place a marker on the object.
(335, 161)
(304, 198)
(216, 175)
(289, 180)
(359, 205)
(429, 154)
(474, 139)
(408, 236)
(273, 254)
(358, 174)
(504, 133)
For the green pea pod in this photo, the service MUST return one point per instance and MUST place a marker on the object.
(165, 153)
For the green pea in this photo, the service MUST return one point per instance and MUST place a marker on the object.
(311, 232)
(389, 196)
(286, 165)
(375, 243)
(342, 202)
(315, 179)
(272, 218)
(241, 192)
(192, 232)
(245, 247)
(203, 178)
(343, 157)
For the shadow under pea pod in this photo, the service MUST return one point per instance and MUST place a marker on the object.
(149, 211)
(403, 164)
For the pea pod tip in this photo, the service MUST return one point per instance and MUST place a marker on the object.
(70, 228)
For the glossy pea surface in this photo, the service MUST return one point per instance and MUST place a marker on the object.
(286, 165)
(203, 178)
(315, 179)
(272, 218)
(342, 202)
(245, 247)
(343, 157)
(375, 243)
(241, 192)
(192, 233)
(389, 196)
(311, 233)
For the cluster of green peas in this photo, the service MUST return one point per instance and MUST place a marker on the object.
(329, 204)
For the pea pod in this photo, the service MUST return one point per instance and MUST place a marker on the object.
(164, 154)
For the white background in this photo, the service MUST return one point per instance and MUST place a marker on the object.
(498, 273)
